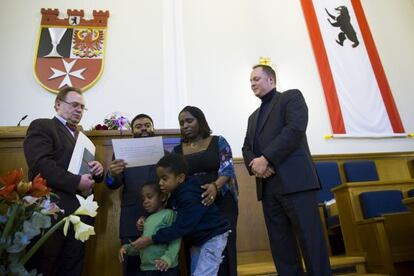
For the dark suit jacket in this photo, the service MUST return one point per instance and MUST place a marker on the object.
(48, 148)
(132, 180)
(282, 139)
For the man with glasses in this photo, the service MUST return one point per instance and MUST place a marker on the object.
(48, 148)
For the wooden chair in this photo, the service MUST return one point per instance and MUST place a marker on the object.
(409, 202)
(329, 177)
(379, 238)
(386, 231)
(360, 171)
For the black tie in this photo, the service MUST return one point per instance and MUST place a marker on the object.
(73, 128)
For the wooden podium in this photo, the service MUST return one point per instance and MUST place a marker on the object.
(102, 248)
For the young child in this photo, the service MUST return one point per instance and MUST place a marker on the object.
(202, 227)
(160, 259)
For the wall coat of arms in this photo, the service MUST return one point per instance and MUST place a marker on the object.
(70, 51)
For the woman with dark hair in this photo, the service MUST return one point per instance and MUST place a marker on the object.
(209, 158)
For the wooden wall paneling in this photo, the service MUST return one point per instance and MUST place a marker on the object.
(410, 165)
(12, 158)
(102, 249)
(392, 169)
(251, 229)
(11, 150)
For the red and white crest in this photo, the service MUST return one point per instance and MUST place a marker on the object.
(70, 51)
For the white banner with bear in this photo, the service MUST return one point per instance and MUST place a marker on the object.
(359, 99)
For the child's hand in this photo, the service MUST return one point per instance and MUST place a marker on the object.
(161, 265)
(121, 254)
(140, 223)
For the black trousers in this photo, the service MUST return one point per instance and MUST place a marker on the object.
(230, 211)
(174, 271)
(59, 255)
(293, 220)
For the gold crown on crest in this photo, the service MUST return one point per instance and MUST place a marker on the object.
(265, 61)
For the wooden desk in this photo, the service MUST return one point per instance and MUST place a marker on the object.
(349, 208)
(409, 202)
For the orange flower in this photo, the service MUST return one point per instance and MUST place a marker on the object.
(9, 183)
(39, 187)
(12, 178)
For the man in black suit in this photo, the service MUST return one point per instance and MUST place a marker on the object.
(131, 179)
(48, 148)
(276, 151)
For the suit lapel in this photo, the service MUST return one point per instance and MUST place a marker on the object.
(254, 126)
(273, 103)
(61, 128)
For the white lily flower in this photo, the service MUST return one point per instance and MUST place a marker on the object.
(87, 206)
(70, 219)
(83, 231)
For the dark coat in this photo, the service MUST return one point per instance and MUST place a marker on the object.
(282, 139)
(48, 148)
(195, 222)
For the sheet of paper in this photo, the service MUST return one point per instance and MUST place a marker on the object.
(139, 151)
(83, 153)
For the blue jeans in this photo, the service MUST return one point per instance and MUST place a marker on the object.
(206, 259)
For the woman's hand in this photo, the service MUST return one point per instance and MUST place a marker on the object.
(208, 197)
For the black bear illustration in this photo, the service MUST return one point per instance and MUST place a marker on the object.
(343, 21)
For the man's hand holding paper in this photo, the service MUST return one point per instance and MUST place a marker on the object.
(117, 166)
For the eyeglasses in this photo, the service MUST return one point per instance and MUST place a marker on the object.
(76, 105)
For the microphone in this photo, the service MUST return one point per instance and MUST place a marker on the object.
(22, 119)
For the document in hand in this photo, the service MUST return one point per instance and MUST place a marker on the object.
(139, 151)
(83, 153)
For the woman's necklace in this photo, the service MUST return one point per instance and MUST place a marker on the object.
(195, 144)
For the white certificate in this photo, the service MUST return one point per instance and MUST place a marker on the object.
(83, 153)
(139, 151)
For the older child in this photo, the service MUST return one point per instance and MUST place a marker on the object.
(160, 259)
(202, 227)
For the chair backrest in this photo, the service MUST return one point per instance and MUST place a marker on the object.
(329, 177)
(377, 203)
(359, 171)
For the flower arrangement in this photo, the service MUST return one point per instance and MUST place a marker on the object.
(25, 212)
(114, 121)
